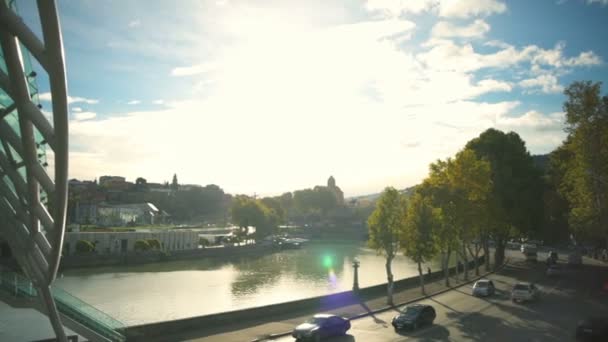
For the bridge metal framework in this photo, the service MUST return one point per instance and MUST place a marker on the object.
(33, 201)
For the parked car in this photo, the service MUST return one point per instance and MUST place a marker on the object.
(592, 330)
(483, 287)
(414, 316)
(555, 270)
(523, 292)
(553, 256)
(321, 326)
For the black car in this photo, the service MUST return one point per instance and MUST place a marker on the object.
(414, 316)
(321, 326)
(592, 330)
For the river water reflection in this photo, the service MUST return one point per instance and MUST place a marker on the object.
(165, 291)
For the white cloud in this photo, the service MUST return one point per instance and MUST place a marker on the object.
(444, 29)
(394, 8)
(71, 99)
(587, 58)
(445, 54)
(547, 83)
(133, 102)
(76, 109)
(134, 23)
(601, 2)
(158, 102)
(352, 86)
(193, 70)
(81, 116)
(443, 8)
(468, 8)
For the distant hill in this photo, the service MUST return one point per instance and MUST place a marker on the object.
(373, 197)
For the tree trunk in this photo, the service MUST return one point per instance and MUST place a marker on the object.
(389, 283)
(465, 267)
(486, 253)
(421, 276)
(477, 261)
(446, 267)
(499, 253)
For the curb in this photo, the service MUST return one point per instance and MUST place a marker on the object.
(387, 308)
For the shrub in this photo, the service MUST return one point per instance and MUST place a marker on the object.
(154, 244)
(204, 242)
(84, 246)
(141, 245)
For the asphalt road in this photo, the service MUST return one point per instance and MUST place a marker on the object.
(462, 317)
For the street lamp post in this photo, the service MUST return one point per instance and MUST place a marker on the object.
(356, 264)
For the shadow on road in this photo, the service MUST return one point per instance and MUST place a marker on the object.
(372, 315)
(431, 333)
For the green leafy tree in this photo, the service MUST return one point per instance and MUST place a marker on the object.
(583, 160)
(384, 227)
(437, 189)
(249, 212)
(417, 234)
(154, 244)
(204, 242)
(84, 247)
(514, 204)
(470, 180)
(141, 245)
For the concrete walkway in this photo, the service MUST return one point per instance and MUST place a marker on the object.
(264, 327)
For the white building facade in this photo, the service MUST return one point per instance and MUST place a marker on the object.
(124, 242)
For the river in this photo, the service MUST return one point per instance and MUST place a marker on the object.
(165, 291)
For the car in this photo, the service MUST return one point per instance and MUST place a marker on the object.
(555, 270)
(553, 256)
(528, 247)
(414, 316)
(523, 292)
(483, 287)
(592, 329)
(321, 326)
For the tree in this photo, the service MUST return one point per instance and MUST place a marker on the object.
(84, 247)
(417, 234)
(471, 183)
(515, 199)
(141, 184)
(583, 159)
(203, 242)
(249, 212)
(141, 245)
(436, 187)
(384, 227)
(154, 244)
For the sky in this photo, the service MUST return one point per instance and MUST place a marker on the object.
(272, 96)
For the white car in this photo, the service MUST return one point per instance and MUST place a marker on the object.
(523, 292)
(483, 287)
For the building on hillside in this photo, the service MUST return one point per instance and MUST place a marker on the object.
(108, 243)
(108, 180)
(103, 214)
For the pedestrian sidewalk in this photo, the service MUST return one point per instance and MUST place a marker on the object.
(264, 328)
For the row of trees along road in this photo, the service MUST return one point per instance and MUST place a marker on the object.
(491, 190)
(579, 167)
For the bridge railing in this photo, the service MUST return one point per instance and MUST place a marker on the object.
(72, 307)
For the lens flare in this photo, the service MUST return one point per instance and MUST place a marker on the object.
(328, 261)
